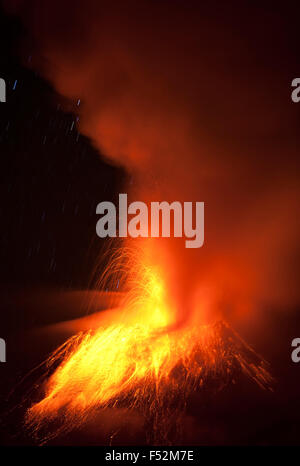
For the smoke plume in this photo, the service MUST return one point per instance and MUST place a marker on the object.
(194, 101)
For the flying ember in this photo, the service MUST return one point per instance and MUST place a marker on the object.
(139, 362)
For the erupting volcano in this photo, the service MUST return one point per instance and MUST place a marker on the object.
(141, 360)
(173, 94)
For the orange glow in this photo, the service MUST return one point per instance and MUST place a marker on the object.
(140, 359)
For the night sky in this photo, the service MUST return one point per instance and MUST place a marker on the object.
(51, 181)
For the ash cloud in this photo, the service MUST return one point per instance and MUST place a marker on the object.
(194, 101)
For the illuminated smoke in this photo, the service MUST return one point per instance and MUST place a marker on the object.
(186, 100)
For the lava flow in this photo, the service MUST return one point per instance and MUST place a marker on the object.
(140, 361)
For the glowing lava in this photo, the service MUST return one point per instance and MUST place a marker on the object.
(138, 362)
